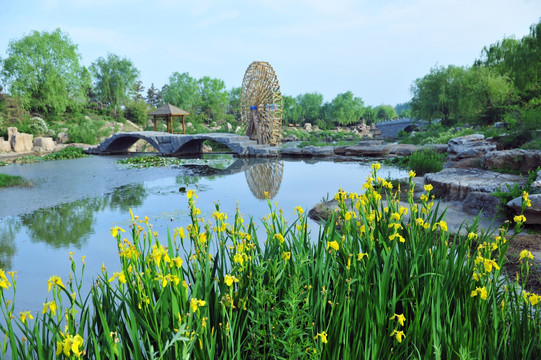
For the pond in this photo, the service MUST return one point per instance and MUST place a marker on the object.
(74, 203)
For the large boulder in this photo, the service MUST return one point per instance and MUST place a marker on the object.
(455, 184)
(465, 151)
(62, 138)
(532, 213)
(403, 149)
(44, 144)
(372, 151)
(515, 159)
(477, 201)
(21, 142)
(5, 146)
(11, 131)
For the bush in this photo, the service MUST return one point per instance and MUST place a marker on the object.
(137, 112)
(426, 161)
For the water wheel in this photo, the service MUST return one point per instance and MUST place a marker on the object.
(261, 104)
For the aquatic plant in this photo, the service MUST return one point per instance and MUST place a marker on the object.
(382, 280)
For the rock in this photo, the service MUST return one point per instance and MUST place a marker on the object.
(470, 163)
(45, 143)
(62, 138)
(340, 150)
(308, 151)
(500, 125)
(291, 151)
(21, 142)
(477, 201)
(308, 127)
(11, 131)
(207, 149)
(455, 184)
(372, 151)
(439, 148)
(238, 129)
(229, 127)
(315, 128)
(290, 137)
(189, 124)
(515, 159)
(403, 149)
(469, 146)
(5, 146)
(370, 142)
(533, 213)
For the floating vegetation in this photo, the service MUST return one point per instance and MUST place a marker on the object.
(70, 152)
(139, 162)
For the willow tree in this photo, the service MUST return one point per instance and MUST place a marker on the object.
(43, 70)
(115, 79)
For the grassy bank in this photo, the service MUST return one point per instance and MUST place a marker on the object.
(10, 180)
(372, 286)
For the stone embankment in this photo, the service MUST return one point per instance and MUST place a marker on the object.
(21, 144)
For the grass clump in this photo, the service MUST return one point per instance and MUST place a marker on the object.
(69, 152)
(11, 180)
(375, 284)
(426, 161)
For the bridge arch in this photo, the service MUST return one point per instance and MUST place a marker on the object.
(195, 146)
(121, 144)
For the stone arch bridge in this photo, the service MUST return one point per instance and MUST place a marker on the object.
(391, 128)
(174, 144)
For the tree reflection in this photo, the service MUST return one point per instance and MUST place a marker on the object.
(9, 228)
(71, 224)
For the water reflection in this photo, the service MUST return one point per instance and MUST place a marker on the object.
(9, 228)
(265, 179)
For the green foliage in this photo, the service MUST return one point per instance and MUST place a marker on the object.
(86, 131)
(115, 79)
(310, 105)
(154, 96)
(373, 280)
(213, 99)
(385, 112)
(33, 125)
(512, 192)
(10, 180)
(43, 70)
(346, 109)
(137, 112)
(70, 152)
(182, 91)
(426, 161)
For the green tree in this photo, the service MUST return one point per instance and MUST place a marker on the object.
(385, 112)
(43, 69)
(234, 102)
(347, 109)
(310, 105)
(182, 91)
(289, 104)
(154, 97)
(436, 94)
(138, 91)
(115, 80)
(369, 115)
(213, 98)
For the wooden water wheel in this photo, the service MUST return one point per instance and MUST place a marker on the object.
(261, 104)
(266, 177)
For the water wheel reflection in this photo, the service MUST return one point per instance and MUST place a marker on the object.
(265, 178)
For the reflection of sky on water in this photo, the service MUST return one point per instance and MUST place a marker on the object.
(37, 244)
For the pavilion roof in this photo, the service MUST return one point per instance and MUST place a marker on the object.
(167, 110)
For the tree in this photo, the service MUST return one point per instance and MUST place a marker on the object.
(115, 79)
(213, 98)
(182, 91)
(154, 97)
(138, 91)
(385, 112)
(289, 104)
(310, 104)
(234, 102)
(346, 109)
(43, 70)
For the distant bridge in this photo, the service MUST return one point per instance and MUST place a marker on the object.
(174, 144)
(391, 128)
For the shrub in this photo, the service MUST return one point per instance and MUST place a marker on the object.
(137, 112)
(426, 161)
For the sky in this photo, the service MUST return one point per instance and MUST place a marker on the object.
(373, 48)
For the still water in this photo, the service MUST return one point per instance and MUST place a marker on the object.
(74, 203)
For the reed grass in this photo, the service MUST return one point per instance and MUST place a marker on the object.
(376, 284)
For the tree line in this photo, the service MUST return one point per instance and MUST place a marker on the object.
(43, 70)
(504, 84)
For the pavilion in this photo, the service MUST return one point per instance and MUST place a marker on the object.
(168, 112)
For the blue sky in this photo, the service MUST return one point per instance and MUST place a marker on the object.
(375, 49)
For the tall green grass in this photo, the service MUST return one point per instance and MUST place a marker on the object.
(381, 281)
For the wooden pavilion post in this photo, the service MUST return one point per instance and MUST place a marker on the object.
(155, 126)
(183, 126)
